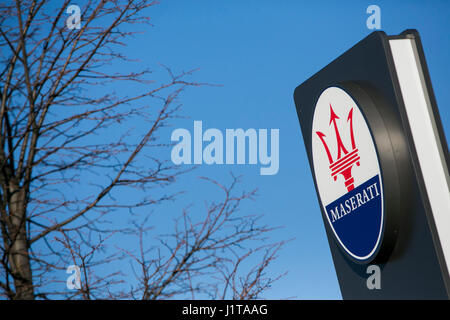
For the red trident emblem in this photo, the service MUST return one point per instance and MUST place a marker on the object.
(344, 162)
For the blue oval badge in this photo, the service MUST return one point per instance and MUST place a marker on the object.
(348, 174)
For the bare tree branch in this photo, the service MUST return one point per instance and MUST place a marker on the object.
(64, 128)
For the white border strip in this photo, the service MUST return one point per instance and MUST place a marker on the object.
(426, 139)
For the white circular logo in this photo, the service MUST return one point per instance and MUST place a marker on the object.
(347, 173)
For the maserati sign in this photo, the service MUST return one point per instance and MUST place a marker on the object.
(347, 173)
(380, 165)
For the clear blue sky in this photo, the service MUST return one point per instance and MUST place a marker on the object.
(259, 51)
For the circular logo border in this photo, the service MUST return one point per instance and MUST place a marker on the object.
(370, 256)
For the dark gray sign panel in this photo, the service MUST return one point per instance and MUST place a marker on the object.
(380, 164)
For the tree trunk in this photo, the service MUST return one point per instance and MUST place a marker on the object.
(19, 259)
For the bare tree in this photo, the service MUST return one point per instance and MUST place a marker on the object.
(56, 137)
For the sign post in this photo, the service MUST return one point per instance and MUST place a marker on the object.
(380, 165)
